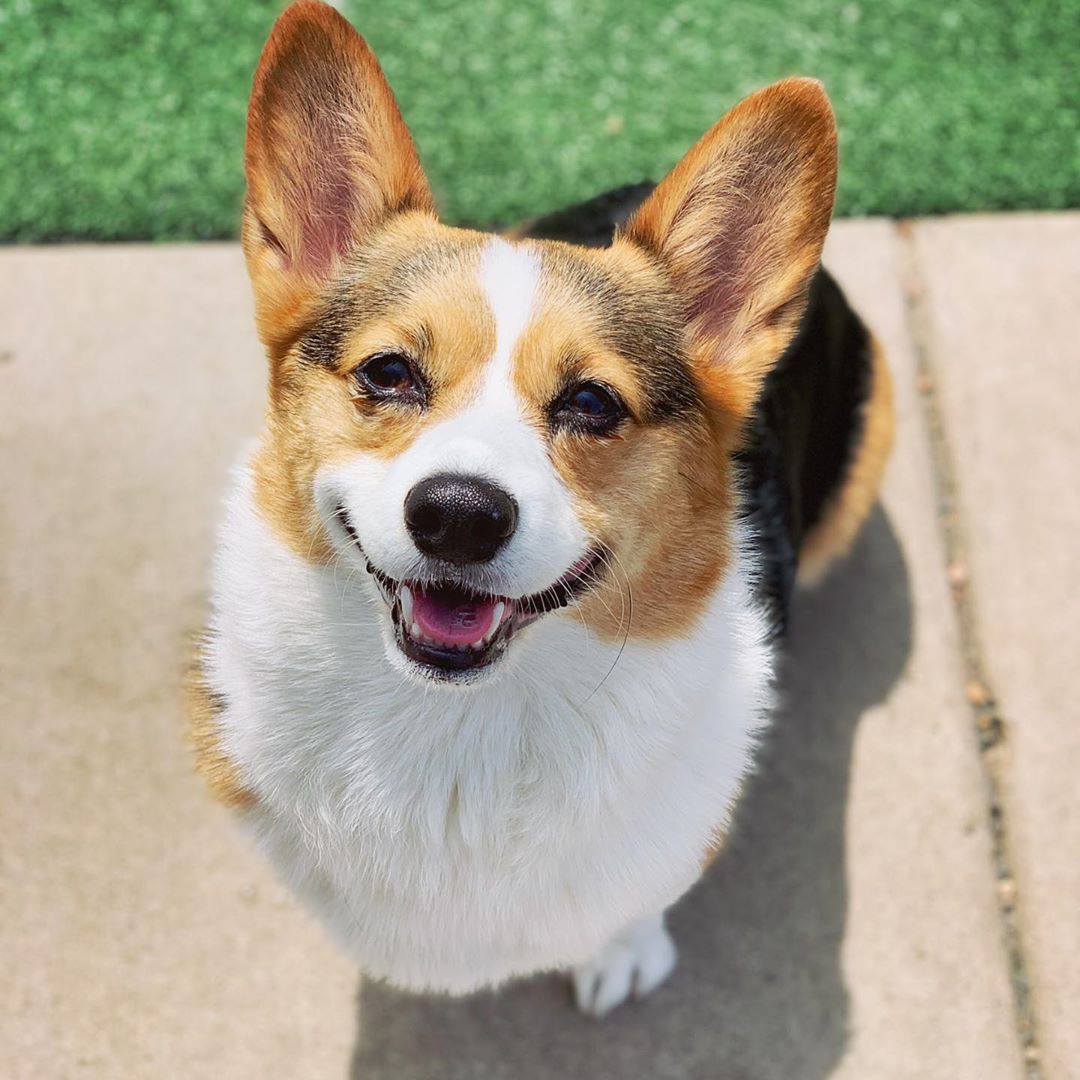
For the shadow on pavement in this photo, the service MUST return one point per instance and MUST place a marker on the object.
(758, 994)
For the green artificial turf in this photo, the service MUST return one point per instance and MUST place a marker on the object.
(125, 119)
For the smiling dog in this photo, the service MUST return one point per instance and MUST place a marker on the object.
(495, 594)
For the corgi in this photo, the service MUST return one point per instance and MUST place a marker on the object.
(497, 591)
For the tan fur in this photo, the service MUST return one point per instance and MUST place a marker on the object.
(740, 222)
(678, 474)
(317, 419)
(774, 153)
(337, 201)
(327, 158)
(717, 843)
(659, 499)
(700, 294)
(849, 507)
(211, 763)
(755, 192)
(675, 474)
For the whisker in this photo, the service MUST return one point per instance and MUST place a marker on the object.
(626, 633)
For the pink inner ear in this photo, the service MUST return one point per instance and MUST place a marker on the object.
(327, 219)
(312, 136)
(328, 153)
(320, 183)
(724, 287)
(739, 214)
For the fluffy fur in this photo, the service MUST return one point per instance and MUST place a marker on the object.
(541, 811)
(452, 837)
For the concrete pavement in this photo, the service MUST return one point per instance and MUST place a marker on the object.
(856, 928)
(1003, 300)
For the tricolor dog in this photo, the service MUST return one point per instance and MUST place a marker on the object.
(496, 593)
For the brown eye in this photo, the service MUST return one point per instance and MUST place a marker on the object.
(391, 377)
(589, 407)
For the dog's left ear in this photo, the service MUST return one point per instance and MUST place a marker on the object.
(328, 159)
(739, 224)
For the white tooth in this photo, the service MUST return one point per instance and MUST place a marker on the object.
(405, 599)
(414, 630)
(496, 622)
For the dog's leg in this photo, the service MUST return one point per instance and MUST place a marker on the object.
(633, 964)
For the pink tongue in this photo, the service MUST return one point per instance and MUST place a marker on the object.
(456, 623)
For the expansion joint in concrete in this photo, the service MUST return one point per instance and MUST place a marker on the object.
(990, 727)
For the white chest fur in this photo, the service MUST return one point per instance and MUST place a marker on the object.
(453, 837)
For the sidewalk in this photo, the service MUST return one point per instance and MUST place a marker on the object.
(902, 897)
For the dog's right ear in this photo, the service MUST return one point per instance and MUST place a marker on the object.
(328, 158)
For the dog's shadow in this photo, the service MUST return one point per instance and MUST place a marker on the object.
(759, 991)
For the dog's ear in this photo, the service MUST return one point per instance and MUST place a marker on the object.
(328, 157)
(739, 224)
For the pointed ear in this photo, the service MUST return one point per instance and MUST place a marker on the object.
(739, 224)
(328, 157)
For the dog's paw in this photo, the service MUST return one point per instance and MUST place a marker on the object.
(632, 965)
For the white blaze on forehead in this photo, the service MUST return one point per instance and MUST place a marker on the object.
(490, 437)
(509, 277)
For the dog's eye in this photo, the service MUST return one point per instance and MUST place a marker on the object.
(391, 376)
(589, 407)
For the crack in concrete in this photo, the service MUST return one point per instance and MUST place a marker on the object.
(990, 728)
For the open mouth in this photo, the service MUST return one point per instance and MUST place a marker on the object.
(451, 629)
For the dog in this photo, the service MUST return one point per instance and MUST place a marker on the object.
(498, 591)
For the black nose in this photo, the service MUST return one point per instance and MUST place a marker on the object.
(462, 519)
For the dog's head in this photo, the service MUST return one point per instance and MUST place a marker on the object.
(496, 430)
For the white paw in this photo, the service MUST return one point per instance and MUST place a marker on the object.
(632, 965)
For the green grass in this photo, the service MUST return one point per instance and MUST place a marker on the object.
(125, 119)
